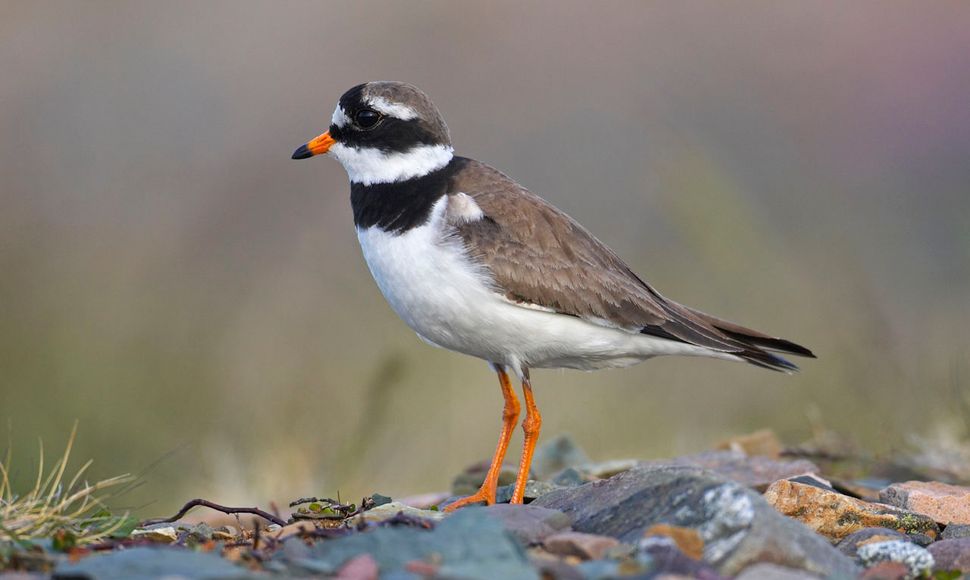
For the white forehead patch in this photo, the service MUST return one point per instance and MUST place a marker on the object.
(397, 110)
(340, 118)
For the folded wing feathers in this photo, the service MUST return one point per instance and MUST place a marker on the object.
(541, 256)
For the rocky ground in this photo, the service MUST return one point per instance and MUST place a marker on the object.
(750, 510)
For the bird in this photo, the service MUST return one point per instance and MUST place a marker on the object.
(475, 263)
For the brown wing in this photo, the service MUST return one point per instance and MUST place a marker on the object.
(539, 255)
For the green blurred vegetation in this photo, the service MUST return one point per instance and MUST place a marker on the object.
(198, 301)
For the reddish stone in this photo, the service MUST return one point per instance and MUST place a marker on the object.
(362, 567)
(887, 571)
(947, 504)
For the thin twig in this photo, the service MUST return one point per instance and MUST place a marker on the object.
(256, 535)
(304, 500)
(220, 508)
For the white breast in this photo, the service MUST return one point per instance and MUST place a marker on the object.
(428, 279)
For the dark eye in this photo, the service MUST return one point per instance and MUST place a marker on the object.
(367, 118)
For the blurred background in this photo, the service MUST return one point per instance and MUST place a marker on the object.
(197, 300)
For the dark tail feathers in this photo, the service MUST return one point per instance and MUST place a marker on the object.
(762, 346)
(759, 354)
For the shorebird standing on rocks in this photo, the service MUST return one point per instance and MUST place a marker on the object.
(474, 262)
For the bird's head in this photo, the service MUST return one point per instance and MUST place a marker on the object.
(384, 132)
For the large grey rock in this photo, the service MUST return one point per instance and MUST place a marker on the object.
(738, 527)
(469, 544)
(528, 523)
(153, 563)
(753, 471)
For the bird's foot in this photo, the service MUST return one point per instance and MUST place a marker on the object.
(479, 496)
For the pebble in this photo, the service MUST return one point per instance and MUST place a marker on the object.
(225, 533)
(425, 500)
(687, 540)
(945, 503)
(571, 477)
(361, 567)
(918, 560)
(666, 561)
(952, 554)
(886, 571)
(558, 453)
(165, 535)
(850, 544)
(764, 442)
(549, 566)
(468, 482)
(836, 516)
(201, 532)
(389, 510)
(954, 531)
(584, 546)
(608, 569)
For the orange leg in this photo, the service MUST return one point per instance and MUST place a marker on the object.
(531, 425)
(510, 414)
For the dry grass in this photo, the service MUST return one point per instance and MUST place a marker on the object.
(73, 510)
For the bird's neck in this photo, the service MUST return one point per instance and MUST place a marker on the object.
(404, 204)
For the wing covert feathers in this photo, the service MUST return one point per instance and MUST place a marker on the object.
(539, 255)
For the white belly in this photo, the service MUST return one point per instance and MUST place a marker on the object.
(429, 281)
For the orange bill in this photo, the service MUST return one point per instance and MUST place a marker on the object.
(318, 146)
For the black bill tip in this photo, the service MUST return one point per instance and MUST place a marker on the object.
(302, 152)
